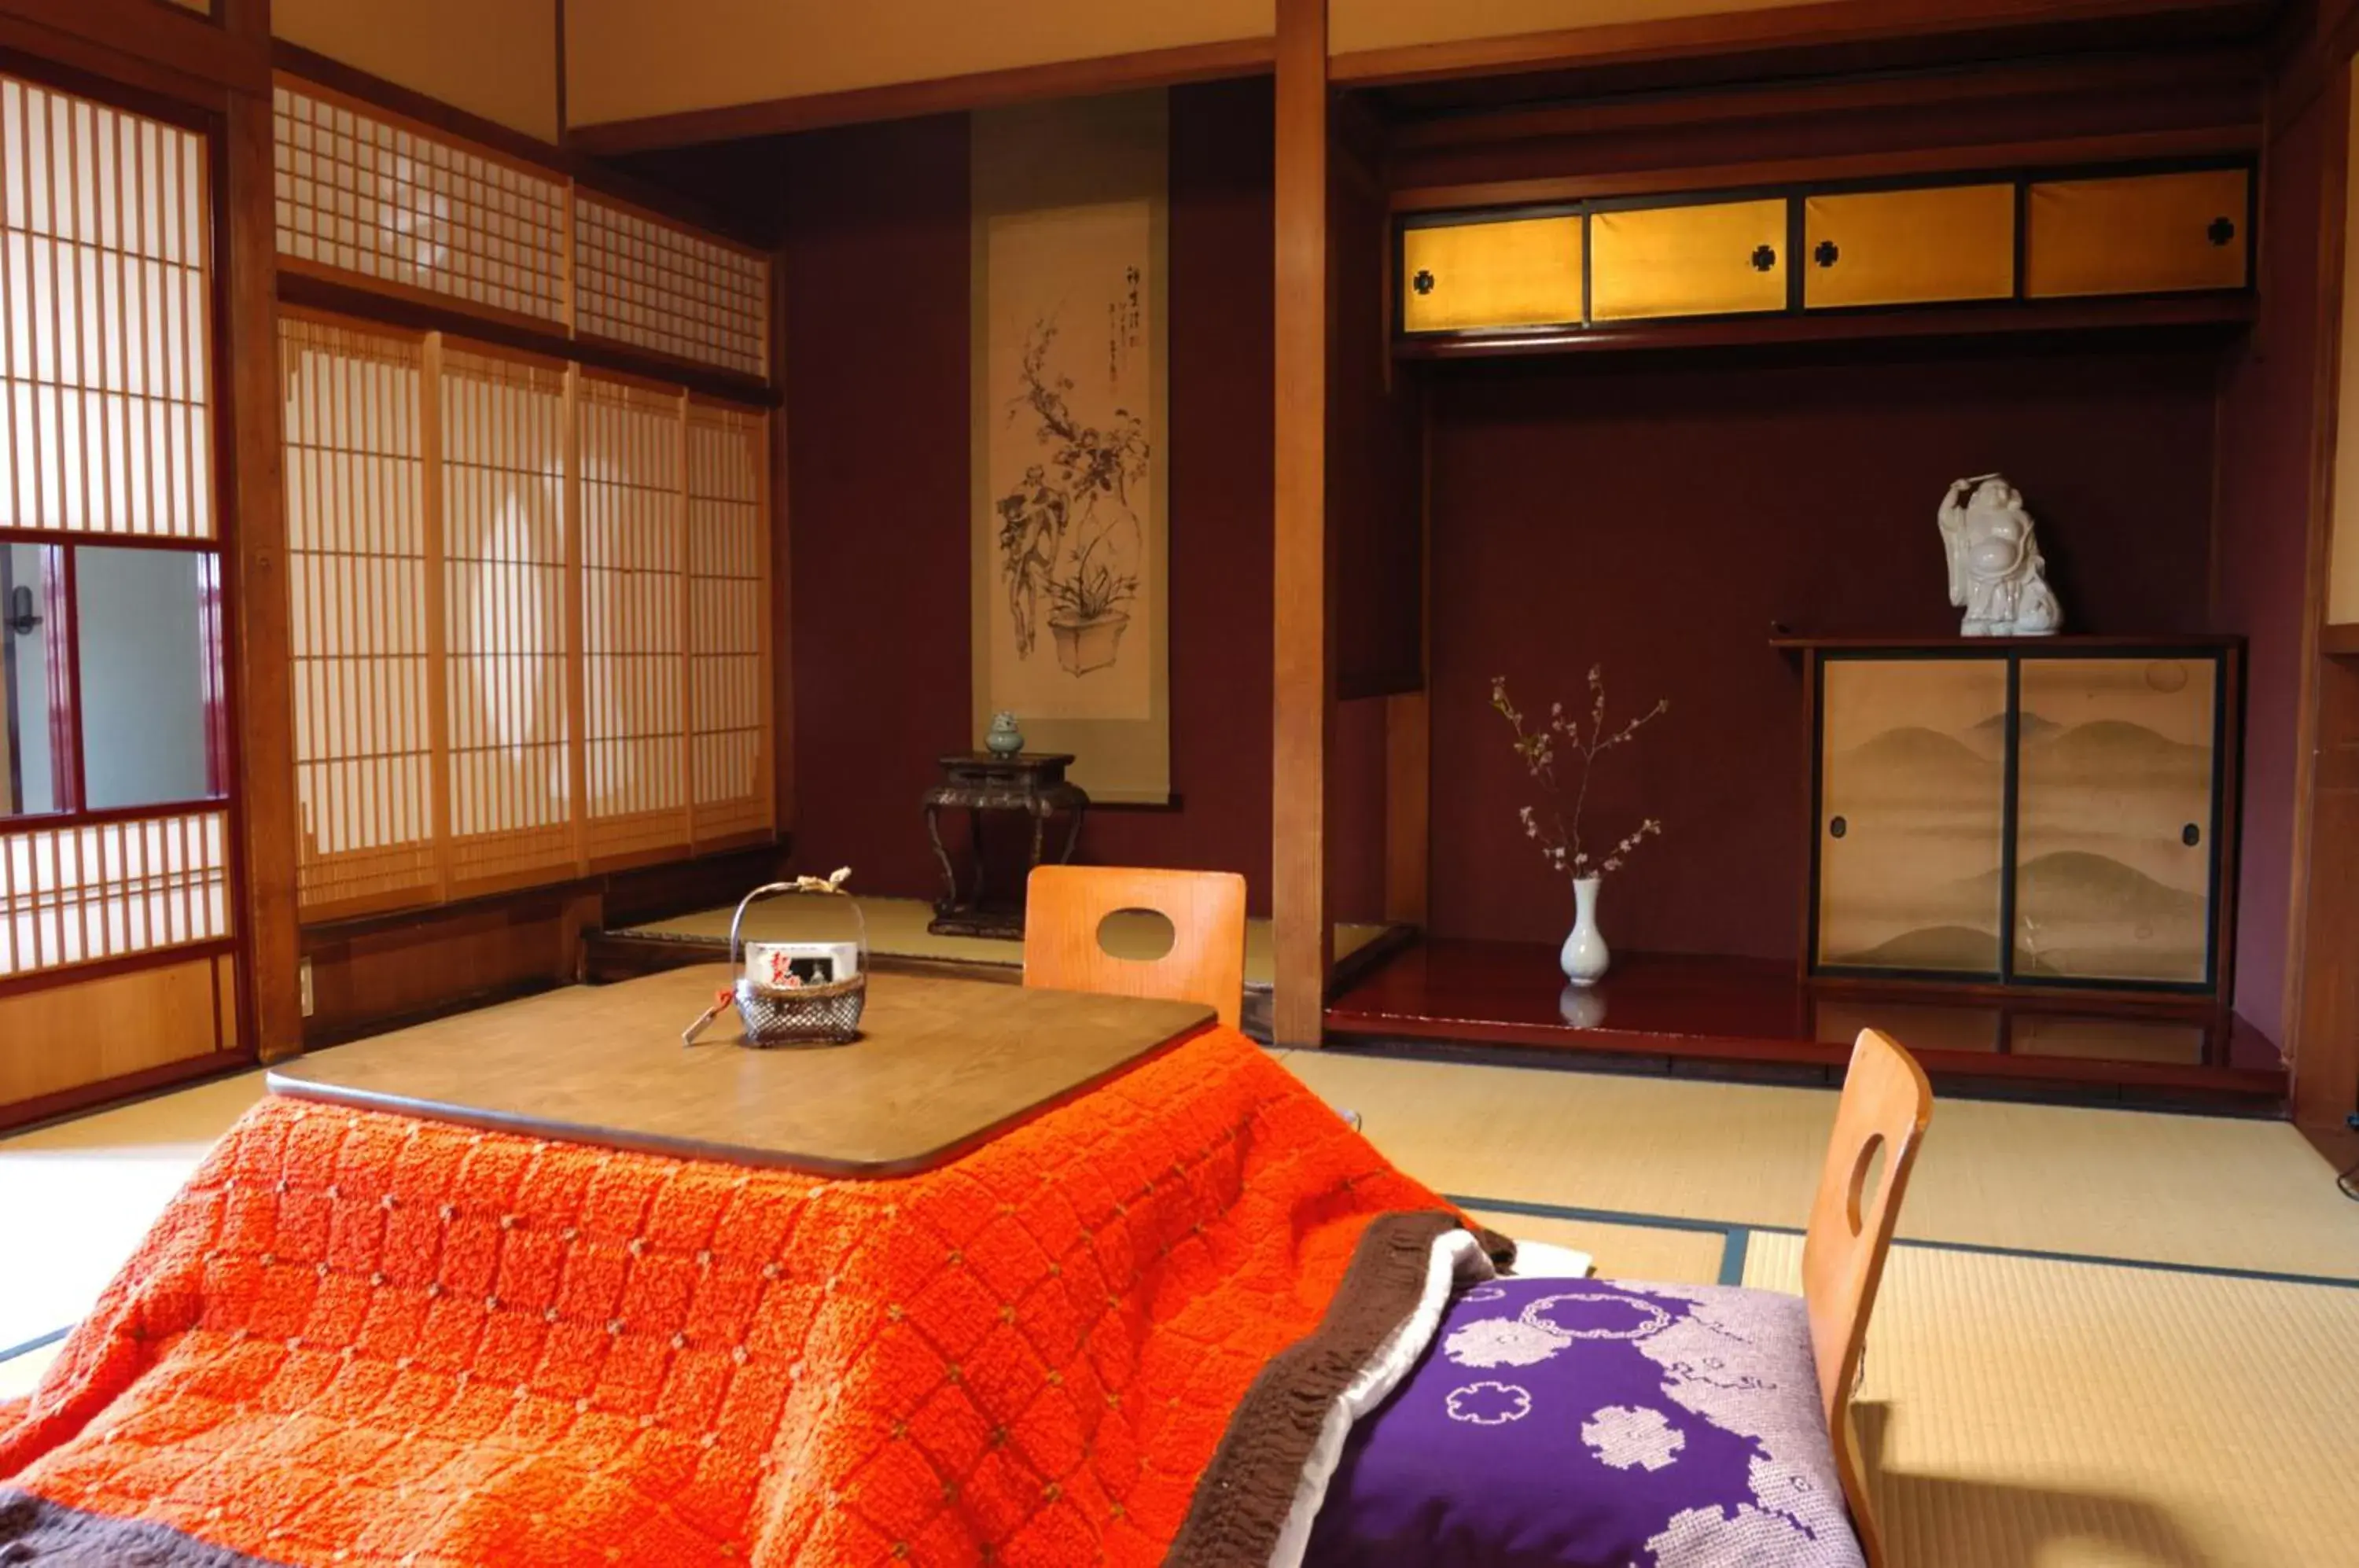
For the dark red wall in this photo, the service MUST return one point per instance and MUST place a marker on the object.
(876, 259)
(1656, 516)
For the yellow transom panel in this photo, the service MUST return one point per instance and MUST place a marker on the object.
(1518, 272)
(2145, 233)
(1709, 258)
(1908, 247)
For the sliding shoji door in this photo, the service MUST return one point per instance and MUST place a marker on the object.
(634, 621)
(510, 602)
(118, 952)
(359, 558)
(729, 622)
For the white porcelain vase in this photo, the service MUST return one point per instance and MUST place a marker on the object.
(1584, 958)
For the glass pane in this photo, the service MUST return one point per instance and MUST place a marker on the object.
(1912, 814)
(2113, 831)
(29, 633)
(148, 675)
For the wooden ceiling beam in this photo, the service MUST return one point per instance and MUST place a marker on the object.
(938, 95)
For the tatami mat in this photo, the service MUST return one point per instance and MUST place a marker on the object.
(76, 1198)
(898, 927)
(2029, 1414)
(2213, 1190)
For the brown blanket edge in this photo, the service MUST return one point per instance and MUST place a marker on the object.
(34, 1529)
(1247, 1494)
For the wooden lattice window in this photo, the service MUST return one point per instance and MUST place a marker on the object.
(507, 605)
(358, 556)
(634, 608)
(728, 568)
(361, 191)
(82, 892)
(105, 359)
(656, 285)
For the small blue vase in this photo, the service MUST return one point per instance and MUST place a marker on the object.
(1004, 739)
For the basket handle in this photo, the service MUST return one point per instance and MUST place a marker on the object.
(830, 884)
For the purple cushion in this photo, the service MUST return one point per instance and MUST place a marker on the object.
(1577, 1421)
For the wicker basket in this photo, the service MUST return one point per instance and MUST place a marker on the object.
(799, 1015)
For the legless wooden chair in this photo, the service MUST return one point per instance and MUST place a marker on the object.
(1404, 1496)
(1066, 905)
(1885, 1106)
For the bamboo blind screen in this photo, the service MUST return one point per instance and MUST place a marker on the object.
(728, 620)
(634, 614)
(83, 892)
(358, 557)
(104, 352)
(360, 194)
(657, 286)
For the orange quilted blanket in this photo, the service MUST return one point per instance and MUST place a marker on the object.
(358, 1338)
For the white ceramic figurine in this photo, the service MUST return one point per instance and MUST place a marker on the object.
(1996, 573)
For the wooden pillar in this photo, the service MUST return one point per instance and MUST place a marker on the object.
(2321, 983)
(256, 541)
(1303, 716)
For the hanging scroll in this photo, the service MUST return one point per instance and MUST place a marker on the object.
(1071, 630)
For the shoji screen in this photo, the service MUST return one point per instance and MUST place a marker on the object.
(362, 191)
(634, 608)
(507, 608)
(729, 594)
(106, 436)
(359, 559)
(105, 284)
(81, 893)
(655, 286)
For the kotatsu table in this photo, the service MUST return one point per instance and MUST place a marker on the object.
(378, 1336)
(940, 1066)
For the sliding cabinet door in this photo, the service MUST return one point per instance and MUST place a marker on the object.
(1911, 820)
(2116, 821)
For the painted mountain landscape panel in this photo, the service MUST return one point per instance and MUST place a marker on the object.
(1912, 796)
(2113, 828)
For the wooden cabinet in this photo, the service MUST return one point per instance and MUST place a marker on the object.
(1709, 258)
(2146, 233)
(1543, 280)
(2023, 813)
(1505, 274)
(1908, 247)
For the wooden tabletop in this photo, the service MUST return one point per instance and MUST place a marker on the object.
(941, 1066)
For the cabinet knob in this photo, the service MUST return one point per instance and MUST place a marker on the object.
(1423, 282)
(2221, 231)
(1826, 254)
(1838, 827)
(2190, 836)
(1764, 258)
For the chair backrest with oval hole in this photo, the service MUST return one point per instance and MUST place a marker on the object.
(1066, 907)
(1886, 1102)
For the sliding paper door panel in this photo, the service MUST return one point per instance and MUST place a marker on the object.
(88, 892)
(728, 623)
(104, 300)
(1700, 258)
(2116, 819)
(1521, 272)
(508, 584)
(634, 621)
(1912, 830)
(2145, 233)
(1908, 247)
(358, 559)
